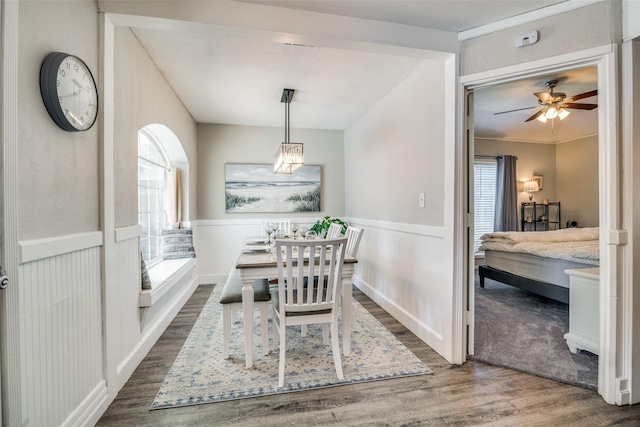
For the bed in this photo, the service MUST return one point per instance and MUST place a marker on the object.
(536, 260)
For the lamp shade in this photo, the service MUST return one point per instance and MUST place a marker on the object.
(531, 186)
(288, 158)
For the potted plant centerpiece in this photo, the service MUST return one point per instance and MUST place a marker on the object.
(322, 225)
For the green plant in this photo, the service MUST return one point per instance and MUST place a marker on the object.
(322, 225)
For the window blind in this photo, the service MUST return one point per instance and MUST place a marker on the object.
(484, 175)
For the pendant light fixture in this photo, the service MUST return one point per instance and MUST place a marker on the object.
(289, 156)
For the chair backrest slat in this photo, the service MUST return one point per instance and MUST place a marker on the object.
(299, 258)
(353, 235)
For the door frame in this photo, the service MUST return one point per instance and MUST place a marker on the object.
(612, 238)
(9, 300)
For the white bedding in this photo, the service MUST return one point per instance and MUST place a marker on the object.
(571, 244)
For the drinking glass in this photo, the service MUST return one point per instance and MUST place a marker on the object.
(268, 228)
(311, 235)
(294, 228)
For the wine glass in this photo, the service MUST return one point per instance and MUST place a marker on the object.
(294, 228)
(303, 232)
(311, 235)
(275, 226)
(268, 228)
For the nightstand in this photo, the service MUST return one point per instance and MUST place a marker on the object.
(584, 310)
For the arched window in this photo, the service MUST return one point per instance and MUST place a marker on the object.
(152, 164)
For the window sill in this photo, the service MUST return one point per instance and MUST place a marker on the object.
(164, 275)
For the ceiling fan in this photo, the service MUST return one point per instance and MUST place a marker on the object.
(555, 104)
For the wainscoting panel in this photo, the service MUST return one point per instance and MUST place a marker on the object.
(126, 311)
(61, 334)
(406, 270)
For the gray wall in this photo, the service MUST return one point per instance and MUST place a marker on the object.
(569, 169)
(577, 181)
(590, 26)
(220, 144)
(58, 173)
(143, 97)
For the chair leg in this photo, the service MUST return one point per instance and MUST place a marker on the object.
(325, 333)
(226, 330)
(335, 349)
(276, 330)
(303, 331)
(264, 325)
(283, 351)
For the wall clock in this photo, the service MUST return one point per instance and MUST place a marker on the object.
(68, 91)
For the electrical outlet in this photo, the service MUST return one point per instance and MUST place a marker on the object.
(421, 200)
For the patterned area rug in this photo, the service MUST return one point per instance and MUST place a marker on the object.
(200, 374)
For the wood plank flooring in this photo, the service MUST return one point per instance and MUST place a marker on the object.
(467, 395)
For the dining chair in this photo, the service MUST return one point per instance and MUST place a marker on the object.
(317, 304)
(231, 300)
(353, 235)
(334, 231)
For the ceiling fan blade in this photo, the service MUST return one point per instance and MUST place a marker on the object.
(579, 106)
(544, 97)
(517, 109)
(535, 116)
(582, 96)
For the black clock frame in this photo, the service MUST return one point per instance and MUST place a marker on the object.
(49, 92)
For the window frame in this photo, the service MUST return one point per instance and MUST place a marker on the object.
(158, 164)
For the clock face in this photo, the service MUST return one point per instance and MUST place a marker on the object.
(69, 92)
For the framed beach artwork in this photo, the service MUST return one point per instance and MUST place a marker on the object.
(256, 188)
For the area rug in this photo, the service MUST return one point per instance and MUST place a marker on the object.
(200, 374)
(519, 330)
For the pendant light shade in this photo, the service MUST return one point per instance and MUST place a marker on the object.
(289, 156)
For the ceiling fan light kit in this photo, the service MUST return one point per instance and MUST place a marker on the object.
(556, 104)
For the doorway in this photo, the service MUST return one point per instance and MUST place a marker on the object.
(603, 59)
(516, 328)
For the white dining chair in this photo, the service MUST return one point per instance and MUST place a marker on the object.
(353, 235)
(334, 231)
(317, 304)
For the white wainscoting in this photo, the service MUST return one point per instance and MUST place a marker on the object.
(136, 338)
(405, 268)
(218, 244)
(61, 329)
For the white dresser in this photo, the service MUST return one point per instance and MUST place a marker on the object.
(584, 310)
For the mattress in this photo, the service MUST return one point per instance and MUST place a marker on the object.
(547, 270)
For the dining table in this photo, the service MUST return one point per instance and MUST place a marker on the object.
(257, 260)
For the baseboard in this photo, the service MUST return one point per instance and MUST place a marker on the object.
(91, 409)
(422, 331)
(210, 279)
(155, 330)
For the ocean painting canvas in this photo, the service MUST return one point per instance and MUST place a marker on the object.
(256, 188)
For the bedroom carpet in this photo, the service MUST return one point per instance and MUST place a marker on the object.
(519, 330)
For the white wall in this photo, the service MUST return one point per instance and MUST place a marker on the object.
(394, 152)
(630, 19)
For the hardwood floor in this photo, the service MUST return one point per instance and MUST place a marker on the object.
(467, 395)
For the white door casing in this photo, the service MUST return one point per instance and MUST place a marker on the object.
(470, 229)
(9, 314)
(612, 239)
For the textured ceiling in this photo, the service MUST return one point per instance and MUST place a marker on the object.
(448, 15)
(239, 80)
